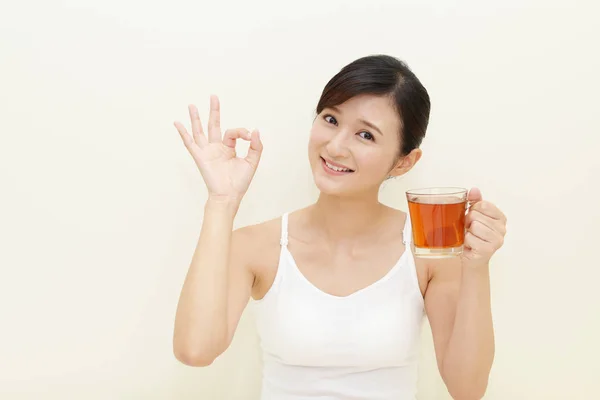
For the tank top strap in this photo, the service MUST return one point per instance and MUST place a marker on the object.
(284, 230)
(407, 232)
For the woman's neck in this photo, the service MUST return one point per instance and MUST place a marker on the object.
(347, 218)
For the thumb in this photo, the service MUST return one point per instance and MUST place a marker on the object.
(255, 149)
(474, 195)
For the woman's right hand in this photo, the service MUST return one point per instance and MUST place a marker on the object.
(227, 176)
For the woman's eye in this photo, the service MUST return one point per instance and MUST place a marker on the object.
(330, 119)
(366, 135)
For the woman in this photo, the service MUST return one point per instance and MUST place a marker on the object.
(339, 296)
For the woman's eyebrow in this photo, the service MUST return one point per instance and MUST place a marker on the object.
(362, 121)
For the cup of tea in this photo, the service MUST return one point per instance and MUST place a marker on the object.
(438, 220)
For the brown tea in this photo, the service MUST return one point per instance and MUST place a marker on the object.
(438, 226)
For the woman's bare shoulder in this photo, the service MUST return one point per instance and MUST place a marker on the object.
(256, 236)
(266, 233)
(395, 214)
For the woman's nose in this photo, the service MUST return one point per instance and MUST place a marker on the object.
(338, 145)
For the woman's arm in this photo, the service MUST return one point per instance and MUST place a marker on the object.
(458, 307)
(219, 281)
(216, 289)
(458, 303)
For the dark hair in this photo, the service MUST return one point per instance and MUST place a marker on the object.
(384, 75)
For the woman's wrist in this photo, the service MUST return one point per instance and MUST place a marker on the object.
(227, 204)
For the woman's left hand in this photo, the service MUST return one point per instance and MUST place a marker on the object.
(485, 230)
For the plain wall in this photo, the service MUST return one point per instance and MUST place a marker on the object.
(101, 205)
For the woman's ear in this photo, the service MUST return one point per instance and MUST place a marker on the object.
(405, 164)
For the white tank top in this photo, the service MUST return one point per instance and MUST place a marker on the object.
(319, 346)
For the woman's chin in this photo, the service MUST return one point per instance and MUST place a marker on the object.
(344, 187)
(331, 187)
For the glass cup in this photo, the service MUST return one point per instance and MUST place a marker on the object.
(438, 220)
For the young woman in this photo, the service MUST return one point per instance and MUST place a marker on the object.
(339, 296)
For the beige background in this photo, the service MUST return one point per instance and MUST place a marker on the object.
(101, 206)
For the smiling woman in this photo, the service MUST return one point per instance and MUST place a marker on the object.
(339, 296)
(371, 114)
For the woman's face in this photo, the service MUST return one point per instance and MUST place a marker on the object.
(354, 146)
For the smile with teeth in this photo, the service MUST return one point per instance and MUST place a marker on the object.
(337, 169)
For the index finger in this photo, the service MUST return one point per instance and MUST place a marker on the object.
(489, 209)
